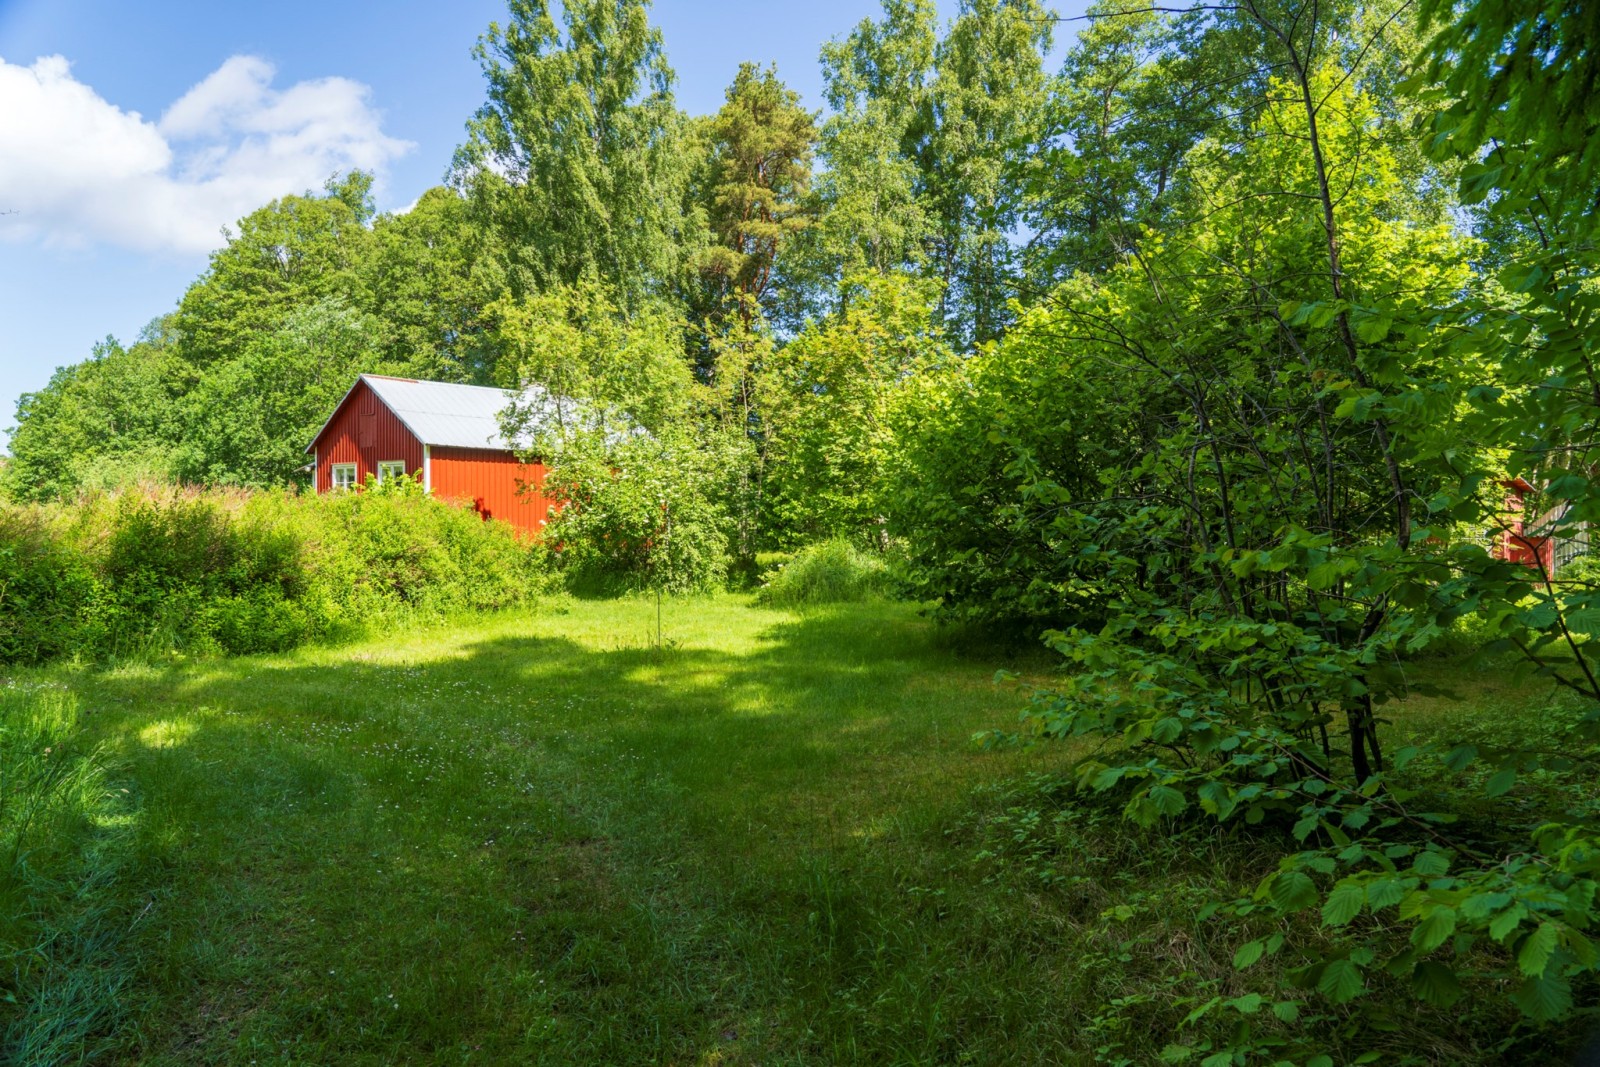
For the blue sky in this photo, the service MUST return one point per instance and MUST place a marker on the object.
(237, 103)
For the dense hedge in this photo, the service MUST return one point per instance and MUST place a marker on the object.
(156, 569)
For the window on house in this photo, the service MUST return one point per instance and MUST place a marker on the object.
(391, 468)
(344, 475)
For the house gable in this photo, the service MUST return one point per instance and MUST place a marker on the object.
(364, 432)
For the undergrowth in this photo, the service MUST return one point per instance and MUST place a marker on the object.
(833, 572)
(152, 570)
(1153, 962)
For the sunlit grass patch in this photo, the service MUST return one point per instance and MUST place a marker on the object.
(757, 837)
(552, 836)
(548, 838)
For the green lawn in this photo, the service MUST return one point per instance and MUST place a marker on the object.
(538, 839)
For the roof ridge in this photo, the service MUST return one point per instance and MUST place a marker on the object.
(446, 418)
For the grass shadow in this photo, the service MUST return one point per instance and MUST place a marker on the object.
(542, 838)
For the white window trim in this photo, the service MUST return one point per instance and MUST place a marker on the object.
(427, 469)
(334, 470)
(391, 467)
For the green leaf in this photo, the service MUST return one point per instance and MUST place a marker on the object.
(1341, 981)
(1320, 1061)
(1248, 953)
(1543, 999)
(1373, 328)
(1584, 621)
(1326, 573)
(1168, 801)
(1343, 904)
(1507, 921)
(1324, 313)
(1286, 1010)
(1216, 798)
(1384, 892)
(1293, 890)
(1534, 954)
(1458, 758)
(1107, 778)
(1248, 1004)
(1430, 864)
(1480, 906)
(1501, 782)
(1436, 984)
(1431, 932)
(1167, 730)
(1523, 277)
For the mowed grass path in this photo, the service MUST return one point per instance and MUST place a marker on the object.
(537, 839)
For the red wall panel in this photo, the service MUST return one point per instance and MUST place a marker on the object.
(492, 483)
(365, 433)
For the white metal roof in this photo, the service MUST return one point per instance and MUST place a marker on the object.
(442, 413)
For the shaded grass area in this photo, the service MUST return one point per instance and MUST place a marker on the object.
(540, 839)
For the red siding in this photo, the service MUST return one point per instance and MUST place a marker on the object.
(491, 482)
(364, 432)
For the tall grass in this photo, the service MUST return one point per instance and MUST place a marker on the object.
(63, 917)
(155, 569)
(833, 572)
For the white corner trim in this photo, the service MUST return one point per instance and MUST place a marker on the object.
(427, 469)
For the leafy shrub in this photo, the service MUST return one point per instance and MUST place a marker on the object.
(394, 549)
(156, 569)
(44, 589)
(973, 444)
(186, 569)
(833, 572)
(642, 513)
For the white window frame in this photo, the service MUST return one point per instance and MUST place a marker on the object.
(336, 469)
(391, 468)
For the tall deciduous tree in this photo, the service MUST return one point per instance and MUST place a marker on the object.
(578, 157)
(827, 399)
(1130, 101)
(294, 251)
(983, 117)
(876, 83)
(926, 147)
(115, 412)
(250, 419)
(426, 280)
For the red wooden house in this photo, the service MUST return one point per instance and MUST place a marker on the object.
(447, 436)
(1514, 541)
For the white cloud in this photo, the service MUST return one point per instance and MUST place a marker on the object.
(76, 169)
